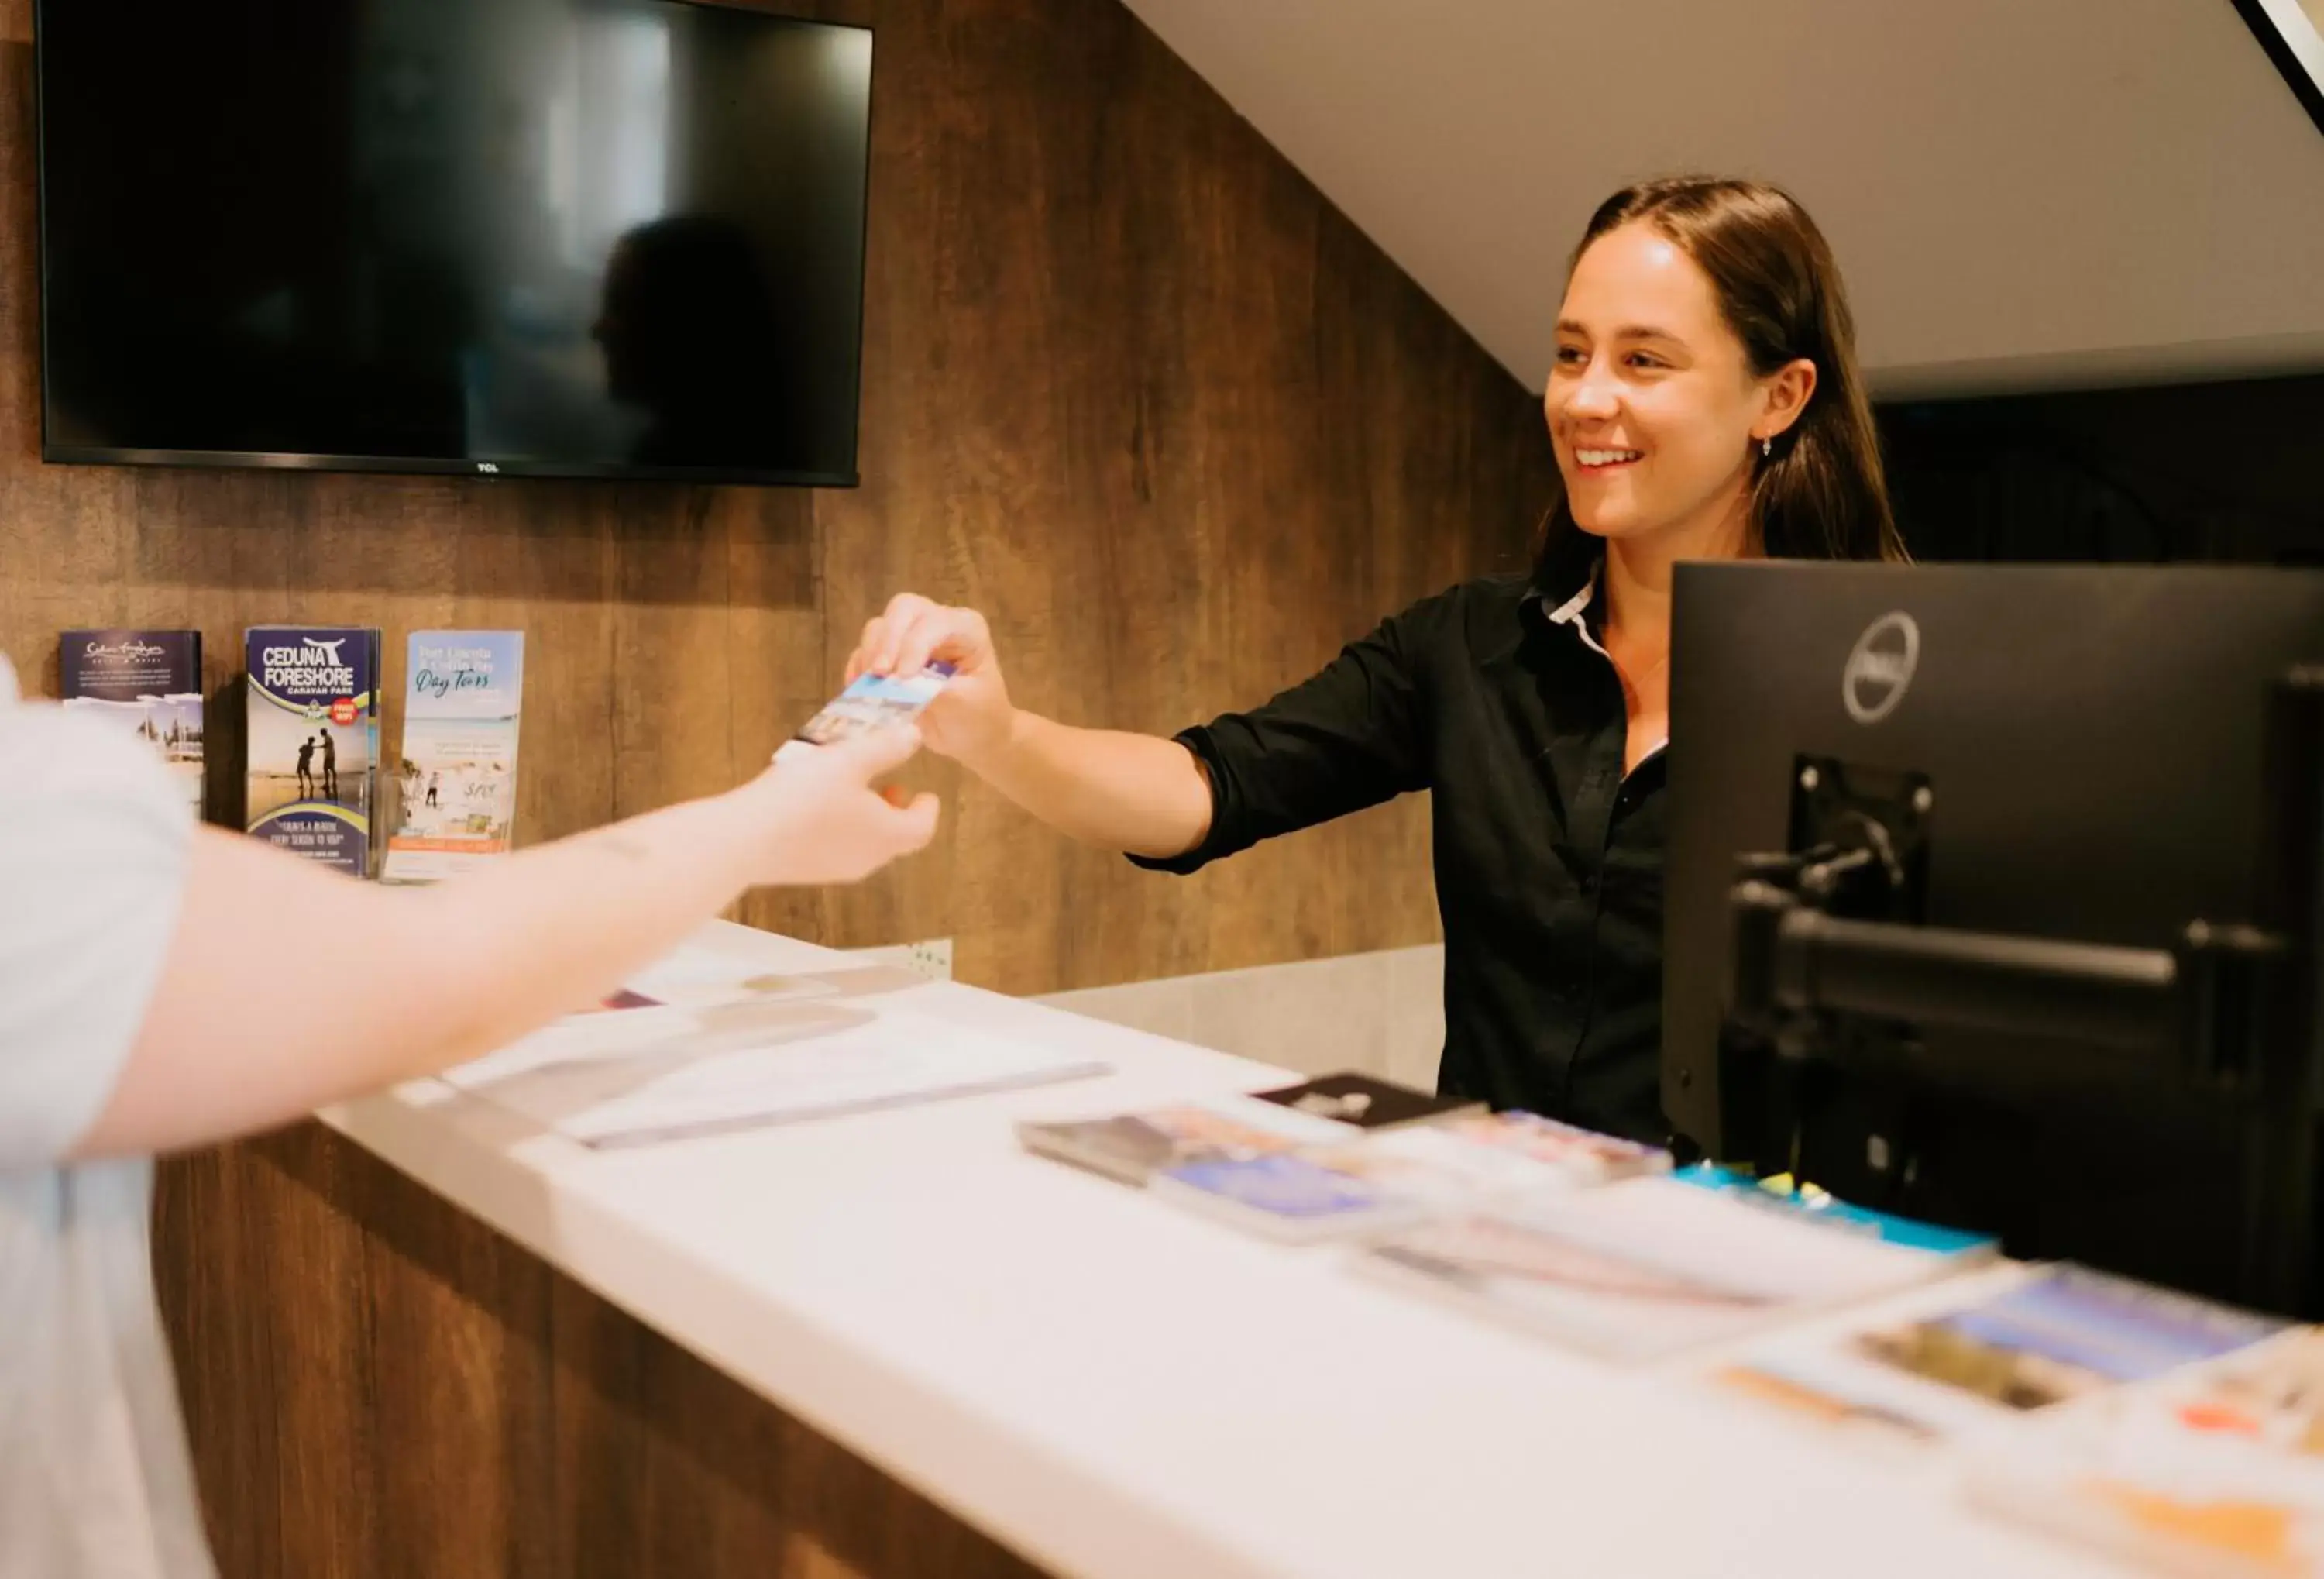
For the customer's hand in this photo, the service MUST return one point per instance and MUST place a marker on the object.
(821, 819)
(973, 714)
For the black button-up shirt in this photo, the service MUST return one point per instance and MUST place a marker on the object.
(1496, 698)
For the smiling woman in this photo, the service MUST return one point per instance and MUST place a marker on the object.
(1705, 403)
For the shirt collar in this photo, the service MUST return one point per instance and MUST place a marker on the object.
(1576, 613)
(1577, 608)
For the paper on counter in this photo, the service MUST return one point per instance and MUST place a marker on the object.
(799, 1048)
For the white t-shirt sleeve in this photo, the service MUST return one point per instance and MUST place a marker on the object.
(94, 838)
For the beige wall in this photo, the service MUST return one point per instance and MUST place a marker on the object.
(2021, 192)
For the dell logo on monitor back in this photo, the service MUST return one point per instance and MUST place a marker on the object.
(1880, 669)
(488, 468)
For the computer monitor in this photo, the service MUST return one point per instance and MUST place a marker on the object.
(1992, 896)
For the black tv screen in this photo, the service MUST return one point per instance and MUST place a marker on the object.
(519, 237)
(2292, 31)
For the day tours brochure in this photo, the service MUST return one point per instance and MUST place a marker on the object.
(464, 692)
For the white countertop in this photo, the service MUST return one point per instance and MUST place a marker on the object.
(1119, 1390)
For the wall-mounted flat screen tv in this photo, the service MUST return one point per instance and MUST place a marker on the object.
(2292, 31)
(514, 237)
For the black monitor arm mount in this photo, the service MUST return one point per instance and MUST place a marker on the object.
(1827, 943)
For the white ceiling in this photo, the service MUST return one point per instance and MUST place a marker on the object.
(2022, 192)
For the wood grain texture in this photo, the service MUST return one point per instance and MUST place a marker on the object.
(1131, 386)
(378, 1386)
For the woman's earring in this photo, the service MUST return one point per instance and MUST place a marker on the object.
(1766, 447)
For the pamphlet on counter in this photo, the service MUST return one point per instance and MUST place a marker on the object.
(704, 1043)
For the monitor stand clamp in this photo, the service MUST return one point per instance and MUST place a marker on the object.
(1834, 972)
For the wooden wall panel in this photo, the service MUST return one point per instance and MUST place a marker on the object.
(1131, 386)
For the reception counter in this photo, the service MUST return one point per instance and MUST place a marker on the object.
(420, 1336)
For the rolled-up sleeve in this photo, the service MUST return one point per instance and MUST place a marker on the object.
(1352, 737)
(94, 839)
